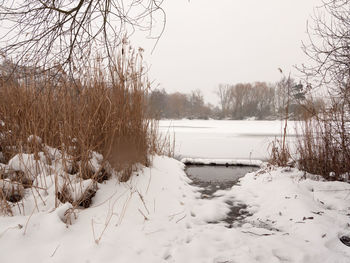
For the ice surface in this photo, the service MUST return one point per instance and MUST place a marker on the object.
(225, 139)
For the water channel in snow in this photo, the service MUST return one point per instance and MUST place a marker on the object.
(225, 140)
(220, 177)
(213, 178)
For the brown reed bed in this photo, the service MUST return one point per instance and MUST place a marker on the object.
(103, 111)
(323, 144)
(324, 147)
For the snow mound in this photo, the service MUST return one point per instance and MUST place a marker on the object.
(29, 164)
(65, 212)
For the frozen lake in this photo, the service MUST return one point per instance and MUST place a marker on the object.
(227, 139)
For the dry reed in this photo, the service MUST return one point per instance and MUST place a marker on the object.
(324, 147)
(104, 112)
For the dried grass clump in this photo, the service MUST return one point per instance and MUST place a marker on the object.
(280, 152)
(78, 194)
(11, 191)
(161, 144)
(279, 155)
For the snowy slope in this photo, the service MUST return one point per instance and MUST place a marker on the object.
(158, 217)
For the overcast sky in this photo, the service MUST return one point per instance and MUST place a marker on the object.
(209, 42)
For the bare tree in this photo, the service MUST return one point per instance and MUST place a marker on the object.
(224, 93)
(196, 101)
(329, 48)
(240, 93)
(69, 32)
(326, 147)
(247, 100)
(157, 103)
(264, 98)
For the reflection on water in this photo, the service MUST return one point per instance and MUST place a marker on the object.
(218, 174)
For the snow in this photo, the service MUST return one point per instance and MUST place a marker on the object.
(63, 212)
(34, 139)
(311, 215)
(29, 164)
(95, 162)
(158, 216)
(130, 212)
(75, 190)
(225, 139)
(237, 162)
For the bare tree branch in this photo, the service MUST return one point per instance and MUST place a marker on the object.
(66, 32)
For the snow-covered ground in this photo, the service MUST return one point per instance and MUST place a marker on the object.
(225, 138)
(158, 217)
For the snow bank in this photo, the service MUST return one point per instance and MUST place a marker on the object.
(227, 162)
(157, 216)
(127, 222)
(304, 217)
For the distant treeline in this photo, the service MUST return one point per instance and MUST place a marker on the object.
(260, 100)
(179, 105)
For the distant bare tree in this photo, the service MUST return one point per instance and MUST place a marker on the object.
(283, 97)
(244, 100)
(196, 100)
(68, 32)
(240, 97)
(224, 93)
(178, 105)
(264, 98)
(158, 100)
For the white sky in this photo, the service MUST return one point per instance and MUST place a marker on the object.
(209, 42)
